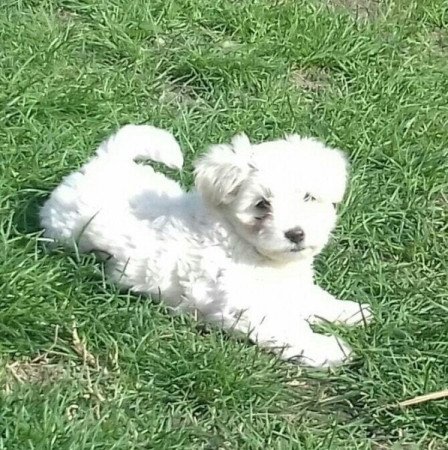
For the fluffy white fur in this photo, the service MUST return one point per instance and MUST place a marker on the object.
(238, 251)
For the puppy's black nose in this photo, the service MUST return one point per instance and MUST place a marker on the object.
(295, 235)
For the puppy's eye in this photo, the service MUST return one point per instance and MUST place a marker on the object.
(334, 205)
(263, 205)
(309, 198)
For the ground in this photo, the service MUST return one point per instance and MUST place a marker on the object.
(83, 366)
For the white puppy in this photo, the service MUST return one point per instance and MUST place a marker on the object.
(238, 251)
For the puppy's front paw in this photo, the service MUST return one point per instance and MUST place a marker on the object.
(344, 312)
(355, 314)
(321, 351)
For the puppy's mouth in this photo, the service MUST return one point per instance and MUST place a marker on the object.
(301, 249)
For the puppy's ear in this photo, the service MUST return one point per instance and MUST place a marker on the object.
(327, 167)
(222, 170)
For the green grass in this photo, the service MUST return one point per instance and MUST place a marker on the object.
(374, 84)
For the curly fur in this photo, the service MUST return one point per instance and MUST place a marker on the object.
(238, 251)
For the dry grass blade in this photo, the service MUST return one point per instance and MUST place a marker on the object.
(81, 350)
(425, 398)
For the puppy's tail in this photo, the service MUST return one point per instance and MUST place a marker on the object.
(146, 142)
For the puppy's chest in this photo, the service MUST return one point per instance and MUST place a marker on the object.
(248, 284)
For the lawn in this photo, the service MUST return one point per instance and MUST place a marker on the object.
(83, 366)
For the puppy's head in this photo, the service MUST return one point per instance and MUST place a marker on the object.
(280, 196)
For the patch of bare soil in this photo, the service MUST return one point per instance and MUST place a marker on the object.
(40, 370)
(48, 368)
(361, 9)
(439, 38)
(310, 80)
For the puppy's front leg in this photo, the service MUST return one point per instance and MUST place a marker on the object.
(326, 308)
(292, 339)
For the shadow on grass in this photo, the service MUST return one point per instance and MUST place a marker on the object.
(27, 204)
